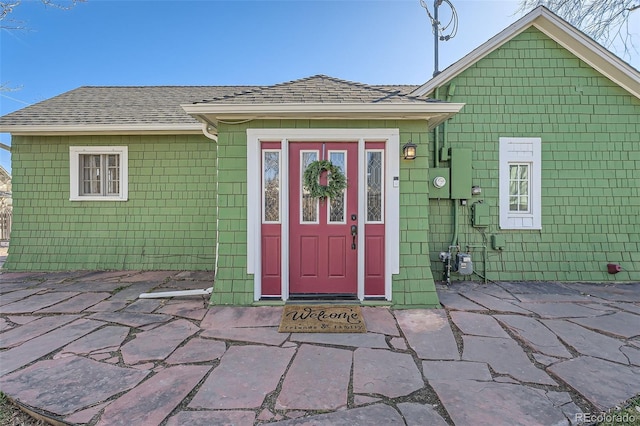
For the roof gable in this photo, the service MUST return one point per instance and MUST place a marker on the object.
(318, 89)
(558, 30)
(320, 97)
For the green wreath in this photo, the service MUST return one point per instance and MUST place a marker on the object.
(336, 180)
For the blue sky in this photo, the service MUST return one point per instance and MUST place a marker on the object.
(136, 42)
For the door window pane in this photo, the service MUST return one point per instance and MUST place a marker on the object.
(374, 186)
(271, 182)
(337, 204)
(309, 204)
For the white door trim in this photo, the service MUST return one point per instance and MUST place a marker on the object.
(391, 137)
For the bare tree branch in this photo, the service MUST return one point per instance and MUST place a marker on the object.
(7, 7)
(606, 21)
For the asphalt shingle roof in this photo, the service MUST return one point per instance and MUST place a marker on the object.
(321, 89)
(117, 105)
(149, 105)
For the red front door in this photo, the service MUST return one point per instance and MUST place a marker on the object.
(323, 252)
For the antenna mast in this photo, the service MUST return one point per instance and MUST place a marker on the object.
(439, 30)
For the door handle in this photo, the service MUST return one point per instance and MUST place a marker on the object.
(354, 234)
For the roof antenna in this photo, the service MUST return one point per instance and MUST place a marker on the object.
(441, 32)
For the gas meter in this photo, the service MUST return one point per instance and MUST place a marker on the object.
(463, 264)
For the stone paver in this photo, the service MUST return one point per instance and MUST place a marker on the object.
(264, 335)
(621, 324)
(358, 340)
(428, 333)
(478, 324)
(505, 357)
(318, 379)
(537, 288)
(82, 347)
(420, 415)
(629, 307)
(238, 317)
(632, 353)
(76, 304)
(400, 376)
(106, 339)
(480, 403)
(198, 350)
(456, 302)
(208, 418)
(621, 293)
(603, 383)
(158, 343)
(69, 384)
(36, 302)
(493, 303)
(456, 370)
(151, 402)
(14, 296)
(192, 309)
(535, 335)
(379, 414)
(244, 377)
(380, 320)
(33, 329)
(34, 349)
(564, 309)
(587, 342)
(131, 319)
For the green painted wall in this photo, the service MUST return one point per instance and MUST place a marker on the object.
(414, 286)
(532, 87)
(167, 223)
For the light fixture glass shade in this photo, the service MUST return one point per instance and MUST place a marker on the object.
(409, 151)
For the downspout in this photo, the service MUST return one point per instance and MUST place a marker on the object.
(436, 135)
(206, 130)
(445, 154)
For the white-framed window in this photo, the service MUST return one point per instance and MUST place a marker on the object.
(98, 173)
(520, 183)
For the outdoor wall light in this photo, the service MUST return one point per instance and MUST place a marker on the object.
(476, 190)
(409, 151)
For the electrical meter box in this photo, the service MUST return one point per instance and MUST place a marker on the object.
(480, 215)
(464, 265)
(439, 182)
(498, 242)
(461, 173)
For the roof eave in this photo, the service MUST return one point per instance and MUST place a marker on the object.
(435, 113)
(564, 34)
(102, 129)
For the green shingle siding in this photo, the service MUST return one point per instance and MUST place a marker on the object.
(414, 286)
(590, 160)
(168, 221)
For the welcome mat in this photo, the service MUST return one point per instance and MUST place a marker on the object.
(322, 319)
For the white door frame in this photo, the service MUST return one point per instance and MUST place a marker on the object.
(391, 137)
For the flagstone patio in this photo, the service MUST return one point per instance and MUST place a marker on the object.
(81, 348)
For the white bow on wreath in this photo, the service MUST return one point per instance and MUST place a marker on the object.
(336, 180)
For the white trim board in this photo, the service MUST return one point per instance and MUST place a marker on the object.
(254, 216)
